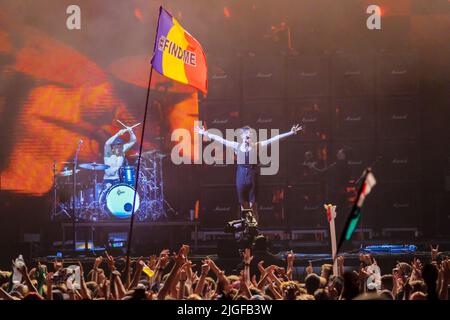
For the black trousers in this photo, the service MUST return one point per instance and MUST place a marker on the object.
(246, 183)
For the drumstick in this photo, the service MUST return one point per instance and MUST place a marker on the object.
(126, 127)
(135, 125)
(121, 123)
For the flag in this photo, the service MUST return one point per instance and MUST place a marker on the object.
(178, 55)
(149, 272)
(355, 215)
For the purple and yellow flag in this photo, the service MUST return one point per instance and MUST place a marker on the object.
(177, 55)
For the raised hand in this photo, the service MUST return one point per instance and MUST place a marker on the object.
(152, 262)
(261, 269)
(186, 248)
(199, 130)
(183, 276)
(340, 261)
(110, 260)
(97, 262)
(23, 270)
(309, 269)
(417, 268)
(363, 274)
(296, 128)
(290, 259)
(205, 269)
(180, 258)
(446, 270)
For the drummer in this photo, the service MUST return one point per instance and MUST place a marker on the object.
(115, 149)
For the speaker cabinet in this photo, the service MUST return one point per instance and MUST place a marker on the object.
(305, 206)
(307, 162)
(313, 115)
(353, 119)
(264, 114)
(352, 75)
(224, 78)
(397, 74)
(400, 161)
(263, 77)
(307, 76)
(218, 205)
(399, 205)
(398, 118)
(221, 115)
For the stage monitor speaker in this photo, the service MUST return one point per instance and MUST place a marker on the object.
(263, 77)
(224, 78)
(313, 115)
(400, 161)
(218, 205)
(352, 75)
(307, 162)
(307, 76)
(221, 115)
(305, 206)
(398, 118)
(397, 74)
(271, 206)
(399, 205)
(353, 119)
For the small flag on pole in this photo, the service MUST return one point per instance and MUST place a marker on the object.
(355, 215)
(178, 55)
(331, 215)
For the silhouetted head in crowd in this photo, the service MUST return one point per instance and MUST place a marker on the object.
(260, 243)
(351, 285)
(312, 283)
(387, 282)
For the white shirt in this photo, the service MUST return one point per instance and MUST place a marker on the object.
(114, 162)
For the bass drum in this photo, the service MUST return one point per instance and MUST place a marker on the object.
(119, 200)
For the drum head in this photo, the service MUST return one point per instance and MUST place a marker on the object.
(119, 200)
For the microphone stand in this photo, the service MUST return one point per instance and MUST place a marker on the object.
(54, 190)
(75, 162)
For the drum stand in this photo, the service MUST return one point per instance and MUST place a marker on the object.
(94, 208)
(56, 203)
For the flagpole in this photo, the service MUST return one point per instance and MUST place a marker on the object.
(354, 207)
(130, 232)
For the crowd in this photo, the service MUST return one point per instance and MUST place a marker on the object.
(174, 276)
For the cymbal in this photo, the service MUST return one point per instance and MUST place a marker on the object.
(94, 166)
(67, 162)
(161, 155)
(149, 153)
(66, 173)
(134, 155)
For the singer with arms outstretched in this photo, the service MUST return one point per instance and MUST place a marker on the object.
(247, 172)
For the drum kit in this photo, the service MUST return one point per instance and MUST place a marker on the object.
(94, 200)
